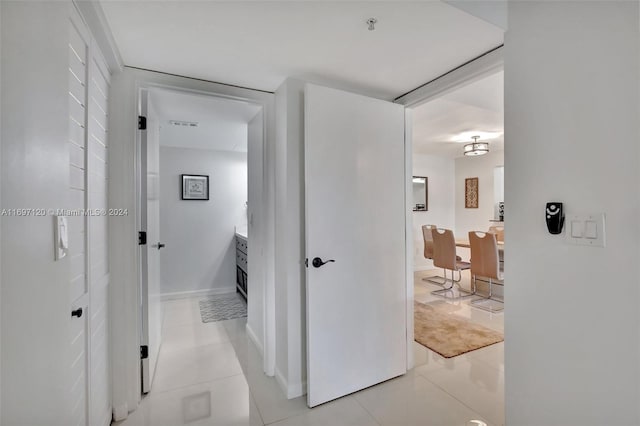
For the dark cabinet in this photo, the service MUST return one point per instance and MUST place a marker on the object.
(241, 265)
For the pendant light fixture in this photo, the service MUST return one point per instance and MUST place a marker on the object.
(476, 148)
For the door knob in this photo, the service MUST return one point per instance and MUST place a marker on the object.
(160, 245)
(317, 262)
(76, 313)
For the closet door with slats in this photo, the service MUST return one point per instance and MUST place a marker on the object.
(97, 179)
(79, 41)
(88, 234)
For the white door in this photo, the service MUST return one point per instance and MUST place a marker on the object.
(150, 252)
(355, 221)
(98, 248)
(78, 70)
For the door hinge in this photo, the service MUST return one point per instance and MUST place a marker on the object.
(142, 122)
(144, 352)
(142, 238)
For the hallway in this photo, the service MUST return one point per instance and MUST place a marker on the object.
(211, 374)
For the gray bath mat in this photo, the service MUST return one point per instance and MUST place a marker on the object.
(223, 307)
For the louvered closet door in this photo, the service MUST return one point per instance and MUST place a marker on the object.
(88, 237)
(79, 288)
(97, 179)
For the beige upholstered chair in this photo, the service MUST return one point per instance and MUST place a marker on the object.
(485, 262)
(445, 257)
(428, 254)
(499, 231)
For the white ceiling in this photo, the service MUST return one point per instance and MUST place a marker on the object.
(260, 44)
(222, 123)
(442, 127)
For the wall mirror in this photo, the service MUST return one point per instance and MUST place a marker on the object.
(420, 194)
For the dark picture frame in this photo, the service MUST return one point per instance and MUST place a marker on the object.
(471, 193)
(194, 187)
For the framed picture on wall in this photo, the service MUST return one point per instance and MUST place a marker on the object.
(195, 187)
(471, 193)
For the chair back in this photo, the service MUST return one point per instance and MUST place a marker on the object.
(444, 249)
(499, 231)
(428, 240)
(484, 254)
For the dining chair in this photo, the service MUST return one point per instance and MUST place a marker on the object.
(485, 262)
(428, 254)
(445, 257)
(499, 231)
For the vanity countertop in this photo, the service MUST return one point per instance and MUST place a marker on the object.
(242, 231)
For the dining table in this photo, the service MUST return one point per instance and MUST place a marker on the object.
(466, 244)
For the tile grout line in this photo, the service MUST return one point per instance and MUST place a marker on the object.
(452, 396)
(152, 393)
(253, 398)
(367, 411)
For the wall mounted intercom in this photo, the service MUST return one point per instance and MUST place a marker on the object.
(555, 217)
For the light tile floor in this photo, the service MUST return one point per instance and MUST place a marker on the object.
(211, 374)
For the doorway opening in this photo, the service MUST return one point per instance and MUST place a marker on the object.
(201, 189)
(464, 194)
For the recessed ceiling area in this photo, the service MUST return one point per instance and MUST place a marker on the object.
(261, 43)
(442, 126)
(221, 123)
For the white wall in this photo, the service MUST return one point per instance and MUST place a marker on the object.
(35, 174)
(219, 134)
(441, 174)
(200, 253)
(290, 271)
(255, 255)
(572, 333)
(481, 167)
(0, 222)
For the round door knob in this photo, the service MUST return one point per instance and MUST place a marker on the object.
(76, 312)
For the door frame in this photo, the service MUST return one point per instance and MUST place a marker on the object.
(483, 66)
(268, 363)
(126, 376)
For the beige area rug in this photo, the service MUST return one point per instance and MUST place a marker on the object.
(449, 334)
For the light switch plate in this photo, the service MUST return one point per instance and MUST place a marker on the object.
(586, 230)
(577, 227)
(61, 237)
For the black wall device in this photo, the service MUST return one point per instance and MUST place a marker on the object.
(555, 217)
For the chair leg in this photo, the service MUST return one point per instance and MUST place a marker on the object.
(487, 304)
(454, 282)
(441, 282)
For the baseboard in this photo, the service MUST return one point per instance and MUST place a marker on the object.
(120, 412)
(254, 339)
(197, 293)
(292, 390)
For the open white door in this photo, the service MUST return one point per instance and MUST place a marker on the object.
(151, 307)
(355, 216)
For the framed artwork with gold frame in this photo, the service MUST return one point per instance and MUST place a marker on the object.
(471, 193)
